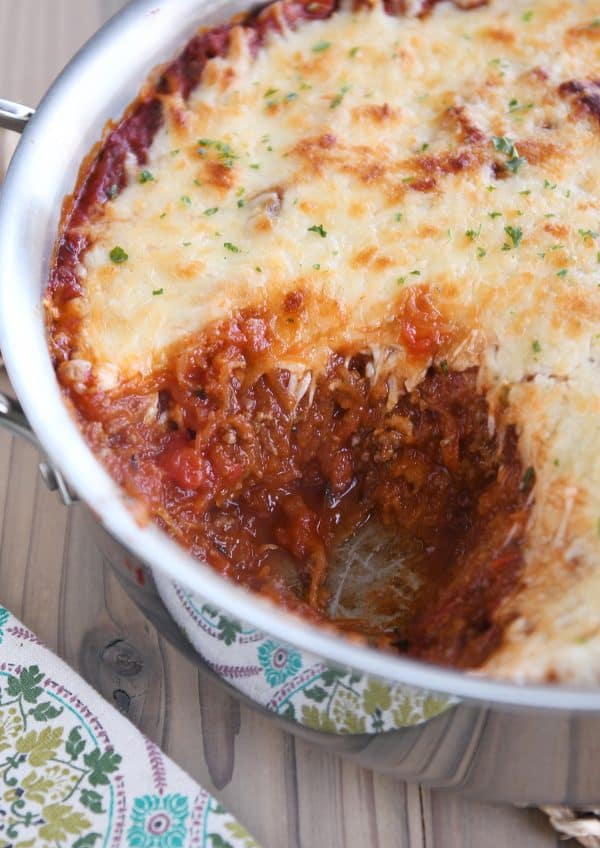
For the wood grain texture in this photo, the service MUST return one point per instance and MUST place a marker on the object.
(288, 793)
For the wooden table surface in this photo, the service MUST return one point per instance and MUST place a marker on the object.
(288, 793)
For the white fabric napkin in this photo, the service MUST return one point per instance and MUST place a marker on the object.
(74, 773)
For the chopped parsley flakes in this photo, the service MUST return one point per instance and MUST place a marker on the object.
(146, 176)
(186, 200)
(156, 292)
(318, 228)
(536, 346)
(224, 152)
(231, 247)
(335, 102)
(212, 211)
(515, 234)
(515, 106)
(118, 255)
(506, 145)
(321, 46)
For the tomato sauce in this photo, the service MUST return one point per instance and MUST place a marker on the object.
(266, 488)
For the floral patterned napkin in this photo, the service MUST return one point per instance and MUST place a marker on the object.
(75, 774)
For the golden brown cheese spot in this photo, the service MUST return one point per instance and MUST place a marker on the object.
(376, 112)
(585, 94)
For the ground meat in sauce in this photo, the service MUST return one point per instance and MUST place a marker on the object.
(265, 488)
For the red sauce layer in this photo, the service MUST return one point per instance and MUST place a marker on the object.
(266, 488)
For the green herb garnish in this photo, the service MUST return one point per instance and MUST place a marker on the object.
(339, 96)
(118, 255)
(472, 235)
(320, 46)
(515, 234)
(318, 228)
(506, 145)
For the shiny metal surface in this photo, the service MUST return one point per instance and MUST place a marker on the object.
(13, 418)
(14, 116)
(550, 731)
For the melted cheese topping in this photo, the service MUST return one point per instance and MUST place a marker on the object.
(358, 156)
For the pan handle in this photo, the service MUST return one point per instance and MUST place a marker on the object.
(13, 418)
(14, 116)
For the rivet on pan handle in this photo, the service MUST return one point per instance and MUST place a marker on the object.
(14, 116)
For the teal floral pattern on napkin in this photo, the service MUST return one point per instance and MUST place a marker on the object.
(295, 684)
(75, 774)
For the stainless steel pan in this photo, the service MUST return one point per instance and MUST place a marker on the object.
(549, 736)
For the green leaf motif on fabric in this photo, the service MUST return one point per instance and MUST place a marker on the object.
(217, 841)
(434, 705)
(241, 834)
(317, 719)
(75, 743)
(40, 747)
(45, 711)
(62, 821)
(352, 703)
(87, 841)
(316, 693)
(11, 727)
(26, 685)
(43, 793)
(92, 800)
(36, 787)
(102, 764)
(229, 629)
(376, 696)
